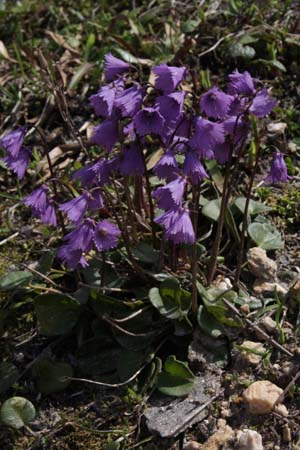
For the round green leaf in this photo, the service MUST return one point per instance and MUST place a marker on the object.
(177, 379)
(51, 376)
(56, 313)
(12, 280)
(17, 412)
(265, 236)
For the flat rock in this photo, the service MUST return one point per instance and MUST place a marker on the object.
(249, 440)
(169, 416)
(250, 357)
(260, 265)
(262, 287)
(261, 396)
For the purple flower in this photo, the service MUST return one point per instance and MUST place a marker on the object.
(170, 196)
(48, 216)
(37, 200)
(278, 171)
(149, 121)
(170, 107)
(130, 101)
(18, 164)
(241, 83)
(113, 67)
(13, 141)
(177, 226)
(103, 100)
(76, 208)
(207, 135)
(103, 169)
(81, 237)
(179, 144)
(167, 77)
(71, 257)
(106, 134)
(128, 130)
(86, 175)
(193, 168)
(95, 200)
(132, 162)
(262, 103)
(181, 230)
(106, 235)
(221, 152)
(237, 106)
(167, 166)
(215, 103)
(236, 126)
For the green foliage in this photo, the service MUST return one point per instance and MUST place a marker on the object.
(170, 299)
(265, 236)
(8, 375)
(51, 375)
(13, 280)
(176, 379)
(17, 412)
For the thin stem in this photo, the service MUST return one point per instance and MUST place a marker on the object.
(245, 220)
(150, 200)
(196, 197)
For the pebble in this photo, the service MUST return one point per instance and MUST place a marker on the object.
(249, 357)
(281, 409)
(192, 445)
(260, 265)
(286, 434)
(220, 438)
(249, 440)
(263, 287)
(269, 324)
(261, 396)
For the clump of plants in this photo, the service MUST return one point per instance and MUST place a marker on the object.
(159, 143)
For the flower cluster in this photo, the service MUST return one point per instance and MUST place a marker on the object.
(135, 119)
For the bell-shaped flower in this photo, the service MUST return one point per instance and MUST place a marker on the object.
(130, 101)
(278, 172)
(215, 103)
(241, 83)
(207, 134)
(193, 168)
(106, 235)
(262, 103)
(167, 78)
(18, 164)
(106, 134)
(113, 67)
(149, 121)
(13, 141)
(170, 196)
(166, 167)
(132, 162)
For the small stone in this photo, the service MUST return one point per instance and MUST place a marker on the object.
(269, 324)
(250, 440)
(223, 283)
(286, 434)
(297, 351)
(292, 146)
(281, 409)
(260, 265)
(287, 368)
(262, 287)
(276, 127)
(245, 308)
(261, 396)
(192, 445)
(250, 357)
(219, 439)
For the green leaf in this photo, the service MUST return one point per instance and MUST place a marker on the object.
(13, 280)
(170, 300)
(238, 50)
(17, 412)
(211, 209)
(50, 375)
(8, 376)
(45, 262)
(112, 446)
(56, 313)
(146, 253)
(254, 207)
(208, 324)
(131, 59)
(129, 362)
(265, 236)
(177, 379)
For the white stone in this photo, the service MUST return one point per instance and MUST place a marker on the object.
(281, 409)
(250, 357)
(250, 440)
(260, 265)
(261, 396)
(269, 324)
(262, 287)
(276, 127)
(192, 445)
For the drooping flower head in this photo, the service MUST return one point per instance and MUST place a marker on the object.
(170, 196)
(130, 101)
(168, 77)
(106, 235)
(75, 208)
(113, 67)
(236, 126)
(167, 166)
(13, 141)
(262, 103)
(132, 162)
(18, 164)
(177, 226)
(193, 168)
(241, 83)
(37, 200)
(170, 107)
(103, 100)
(48, 216)
(278, 172)
(215, 103)
(106, 134)
(149, 121)
(207, 135)
(221, 152)
(103, 169)
(71, 257)
(81, 237)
